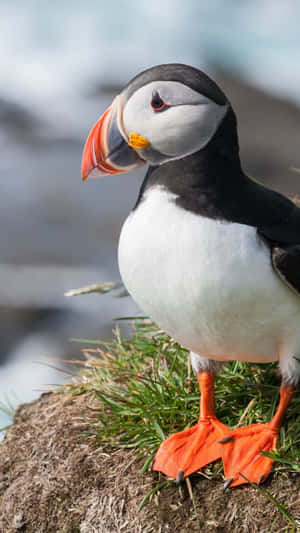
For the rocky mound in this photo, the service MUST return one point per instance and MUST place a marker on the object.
(54, 479)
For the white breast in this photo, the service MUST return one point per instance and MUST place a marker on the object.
(209, 284)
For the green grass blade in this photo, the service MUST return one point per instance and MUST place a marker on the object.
(154, 491)
(147, 463)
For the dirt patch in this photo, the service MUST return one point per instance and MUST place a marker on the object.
(53, 479)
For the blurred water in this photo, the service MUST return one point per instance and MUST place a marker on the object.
(61, 63)
(52, 53)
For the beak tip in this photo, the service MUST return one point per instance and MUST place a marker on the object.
(86, 168)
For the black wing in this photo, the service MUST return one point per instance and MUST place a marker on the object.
(278, 222)
(286, 262)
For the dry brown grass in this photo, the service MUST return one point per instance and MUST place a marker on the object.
(55, 480)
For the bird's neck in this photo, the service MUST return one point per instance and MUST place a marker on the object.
(207, 180)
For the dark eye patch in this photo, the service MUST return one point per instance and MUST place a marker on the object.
(157, 103)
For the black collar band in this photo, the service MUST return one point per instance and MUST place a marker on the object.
(206, 181)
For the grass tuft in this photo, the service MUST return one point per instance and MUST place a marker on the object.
(146, 392)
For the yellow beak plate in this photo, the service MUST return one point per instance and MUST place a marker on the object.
(137, 141)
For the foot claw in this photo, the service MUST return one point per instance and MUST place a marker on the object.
(228, 438)
(179, 477)
(261, 479)
(227, 483)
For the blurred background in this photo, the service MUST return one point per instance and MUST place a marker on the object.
(61, 63)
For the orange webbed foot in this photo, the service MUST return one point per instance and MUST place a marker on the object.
(241, 454)
(188, 451)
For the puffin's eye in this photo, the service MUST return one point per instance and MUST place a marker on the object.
(157, 102)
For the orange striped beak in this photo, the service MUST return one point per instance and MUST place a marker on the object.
(107, 150)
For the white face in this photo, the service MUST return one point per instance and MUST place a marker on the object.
(183, 127)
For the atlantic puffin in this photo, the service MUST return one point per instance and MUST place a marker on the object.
(212, 256)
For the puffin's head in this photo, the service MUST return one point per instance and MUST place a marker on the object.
(167, 112)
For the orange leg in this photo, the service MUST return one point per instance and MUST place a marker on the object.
(242, 452)
(187, 451)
